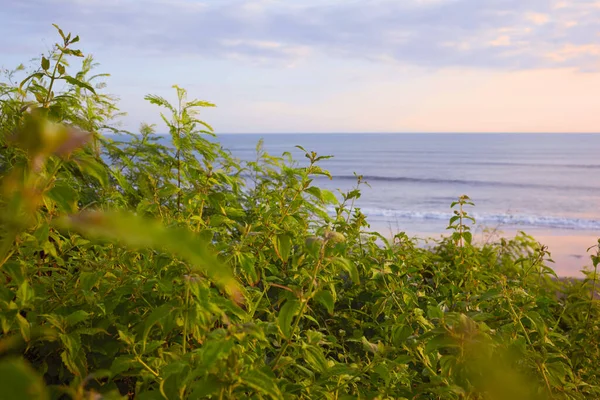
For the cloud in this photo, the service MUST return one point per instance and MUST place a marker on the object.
(501, 34)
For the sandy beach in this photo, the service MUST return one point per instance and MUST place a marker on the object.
(568, 248)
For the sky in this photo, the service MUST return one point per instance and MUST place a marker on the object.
(336, 65)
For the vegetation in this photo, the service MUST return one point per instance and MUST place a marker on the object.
(130, 268)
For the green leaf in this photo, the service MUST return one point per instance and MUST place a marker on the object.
(60, 32)
(314, 356)
(283, 246)
(205, 387)
(78, 83)
(19, 381)
(438, 342)
(36, 75)
(25, 295)
(212, 351)
(329, 197)
(247, 262)
(286, 316)
(155, 316)
(45, 64)
(136, 232)
(122, 363)
(315, 191)
(64, 196)
(262, 383)
(77, 317)
(349, 267)
(468, 236)
(326, 299)
(91, 166)
(25, 327)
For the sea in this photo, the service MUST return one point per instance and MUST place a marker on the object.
(547, 185)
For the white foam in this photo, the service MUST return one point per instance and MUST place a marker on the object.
(488, 219)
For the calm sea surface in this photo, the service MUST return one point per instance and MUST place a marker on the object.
(531, 182)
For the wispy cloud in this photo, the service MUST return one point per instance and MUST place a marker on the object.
(518, 34)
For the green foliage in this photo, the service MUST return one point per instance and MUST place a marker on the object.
(135, 269)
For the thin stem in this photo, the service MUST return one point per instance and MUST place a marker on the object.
(593, 292)
(302, 308)
(147, 367)
(52, 79)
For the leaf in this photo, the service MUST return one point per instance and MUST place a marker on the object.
(262, 383)
(438, 342)
(203, 388)
(37, 75)
(326, 299)
(315, 191)
(78, 83)
(91, 166)
(60, 32)
(155, 316)
(137, 232)
(247, 262)
(468, 236)
(349, 267)
(314, 356)
(25, 295)
(45, 64)
(283, 246)
(329, 197)
(215, 350)
(19, 381)
(64, 196)
(286, 316)
(122, 363)
(77, 317)
(160, 101)
(25, 327)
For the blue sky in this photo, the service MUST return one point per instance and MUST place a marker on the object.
(337, 66)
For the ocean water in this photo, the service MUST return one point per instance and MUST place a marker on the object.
(530, 182)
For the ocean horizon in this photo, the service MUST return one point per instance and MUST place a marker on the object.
(547, 185)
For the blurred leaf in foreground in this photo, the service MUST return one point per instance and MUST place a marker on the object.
(136, 232)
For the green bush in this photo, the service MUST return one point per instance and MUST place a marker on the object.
(134, 269)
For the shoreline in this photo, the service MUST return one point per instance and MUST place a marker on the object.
(568, 248)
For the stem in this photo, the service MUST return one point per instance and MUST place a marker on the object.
(593, 293)
(515, 316)
(311, 287)
(52, 79)
(153, 372)
(187, 310)
(179, 156)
